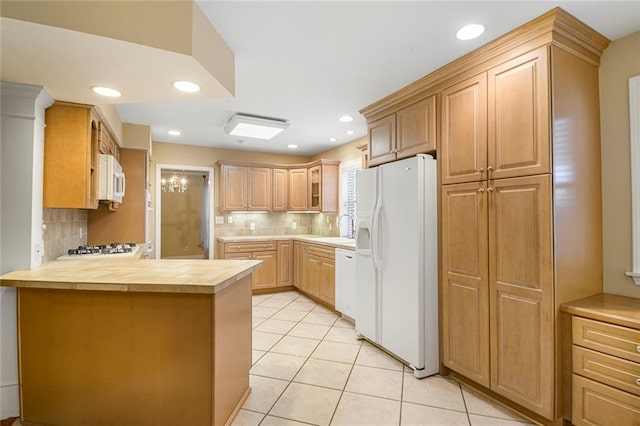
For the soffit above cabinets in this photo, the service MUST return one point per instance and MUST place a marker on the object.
(138, 48)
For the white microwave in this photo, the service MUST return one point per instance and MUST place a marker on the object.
(111, 182)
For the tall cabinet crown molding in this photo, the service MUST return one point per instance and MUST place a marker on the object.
(520, 205)
(555, 27)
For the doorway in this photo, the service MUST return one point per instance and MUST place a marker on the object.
(184, 207)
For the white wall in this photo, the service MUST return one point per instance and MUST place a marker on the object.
(21, 172)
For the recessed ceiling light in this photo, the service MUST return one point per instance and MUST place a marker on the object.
(292, 146)
(186, 86)
(350, 132)
(106, 91)
(333, 140)
(345, 118)
(174, 132)
(470, 31)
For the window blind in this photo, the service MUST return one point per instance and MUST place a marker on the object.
(348, 196)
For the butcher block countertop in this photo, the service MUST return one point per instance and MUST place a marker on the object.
(134, 275)
(335, 242)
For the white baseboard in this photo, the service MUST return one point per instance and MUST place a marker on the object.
(9, 401)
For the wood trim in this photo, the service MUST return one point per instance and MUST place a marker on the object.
(555, 26)
(634, 133)
(281, 166)
(238, 407)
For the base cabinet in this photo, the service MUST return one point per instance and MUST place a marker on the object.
(314, 271)
(285, 263)
(266, 251)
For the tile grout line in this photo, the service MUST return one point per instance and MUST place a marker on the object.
(335, 410)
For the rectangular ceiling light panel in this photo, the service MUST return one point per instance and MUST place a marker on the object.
(254, 127)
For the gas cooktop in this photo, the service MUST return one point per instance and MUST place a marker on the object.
(99, 250)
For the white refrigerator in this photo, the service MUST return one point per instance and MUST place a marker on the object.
(396, 260)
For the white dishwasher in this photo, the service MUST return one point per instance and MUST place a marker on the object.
(346, 282)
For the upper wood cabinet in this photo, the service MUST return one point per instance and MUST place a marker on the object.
(298, 198)
(259, 188)
(518, 116)
(245, 188)
(308, 187)
(463, 150)
(71, 144)
(280, 189)
(108, 144)
(410, 131)
(323, 187)
(416, 128)
(382, 140)
(496, 124)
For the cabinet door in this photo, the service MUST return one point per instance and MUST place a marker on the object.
(417, 128)
(233, 187)
(265, 277)
(314, 177)
(521, 291)
(259, 188)
(464, 131)
(518, 123)
(312, 269)
(465, 289)
(298, 265)
(280, 189)
(328, 281)
(298, 189)
(382, 141)
(285, 263)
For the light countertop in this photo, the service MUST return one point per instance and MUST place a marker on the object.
(335, 242)
(134, 275)
(611, 308)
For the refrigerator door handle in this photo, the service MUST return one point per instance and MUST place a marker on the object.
(375, 236)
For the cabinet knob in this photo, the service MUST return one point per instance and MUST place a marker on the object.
(490, 168)
(489, 189)
(638, 381)
(481, 169)
(481, 190)
(638, 348)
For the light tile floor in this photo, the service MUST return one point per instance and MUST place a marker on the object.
(310, 368)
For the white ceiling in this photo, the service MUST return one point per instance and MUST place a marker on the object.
(310, 62)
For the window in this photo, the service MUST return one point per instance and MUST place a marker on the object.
(348, 171)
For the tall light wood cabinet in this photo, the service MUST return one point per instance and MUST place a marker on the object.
(72, 138)
(465, 279)
(520, 204)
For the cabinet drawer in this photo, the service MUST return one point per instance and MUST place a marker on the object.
(611, 339)
(321, 251)
(612, 371)
(598, 404)
(249, 246)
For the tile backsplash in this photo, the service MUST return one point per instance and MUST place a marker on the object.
(277, 224)
(65, 229)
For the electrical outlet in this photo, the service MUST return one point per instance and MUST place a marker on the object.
(81, 231)
(229, 219)
(330, 226)
(252, 226)
(219, 220)
(294, 225)
(327, 218)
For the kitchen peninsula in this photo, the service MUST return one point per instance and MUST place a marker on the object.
(118, 341)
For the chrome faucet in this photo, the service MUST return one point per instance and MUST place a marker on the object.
(352, 234)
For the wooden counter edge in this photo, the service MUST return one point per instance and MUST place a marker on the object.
(611, 308)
